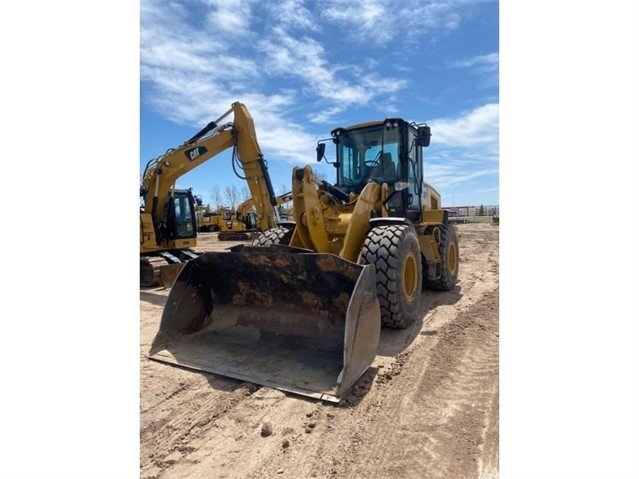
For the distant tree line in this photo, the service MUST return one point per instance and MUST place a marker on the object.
(232, 197)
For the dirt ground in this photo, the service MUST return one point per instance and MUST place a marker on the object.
(427, 408)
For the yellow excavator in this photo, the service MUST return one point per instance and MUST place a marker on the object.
(241, 224)
(208, 219)
(168, 222)
(248, 218)
(301, 308)
(226, 222)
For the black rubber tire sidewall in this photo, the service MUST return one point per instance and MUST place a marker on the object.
(447, 278)
(387, 247)
(277, 235)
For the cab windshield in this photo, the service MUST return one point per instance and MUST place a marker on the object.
(372, 151)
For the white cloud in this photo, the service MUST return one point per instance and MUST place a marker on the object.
(305, 58)
(367, 20)
(486, 66)
(445, 178)
(379, 21)
(368, 15)
(293, 14)
(325, 115)
(479, 127)
(167, 41)
(464, 151)
(230, 16)
(482, 63)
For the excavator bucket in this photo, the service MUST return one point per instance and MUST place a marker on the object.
(283, 317)
(169, 273)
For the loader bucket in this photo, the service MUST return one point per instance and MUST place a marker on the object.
(277, 316)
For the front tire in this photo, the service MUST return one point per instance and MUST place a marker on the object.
(394, 251)
(277, 235)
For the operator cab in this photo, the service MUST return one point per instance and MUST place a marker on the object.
(179, 215)
(388, 152)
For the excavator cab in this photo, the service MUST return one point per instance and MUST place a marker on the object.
(164, 244)
(180, 221)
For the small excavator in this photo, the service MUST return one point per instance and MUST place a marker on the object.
(168, 222)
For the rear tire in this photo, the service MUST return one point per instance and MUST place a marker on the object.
(394, 251)
(448, 269)
(277, 235)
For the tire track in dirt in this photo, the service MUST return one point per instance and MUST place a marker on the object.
(255, 438)
(177, 406)
(434, 410)
(186, 416)
(447, 338)
(455, 395)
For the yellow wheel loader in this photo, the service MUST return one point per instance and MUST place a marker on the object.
(301, 308)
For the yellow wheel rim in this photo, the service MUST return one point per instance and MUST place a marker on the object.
(452, 258)
(409, 274)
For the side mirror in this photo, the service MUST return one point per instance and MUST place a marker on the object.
(423, 135)
(321, 149)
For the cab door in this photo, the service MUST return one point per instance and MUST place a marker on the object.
(413, 165)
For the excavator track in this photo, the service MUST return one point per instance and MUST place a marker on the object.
(162, 270)
(150, 270)
(237, 235)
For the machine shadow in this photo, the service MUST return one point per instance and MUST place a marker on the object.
(394, 341)
(154, 299)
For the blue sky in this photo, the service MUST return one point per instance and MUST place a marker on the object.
(305, 67)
